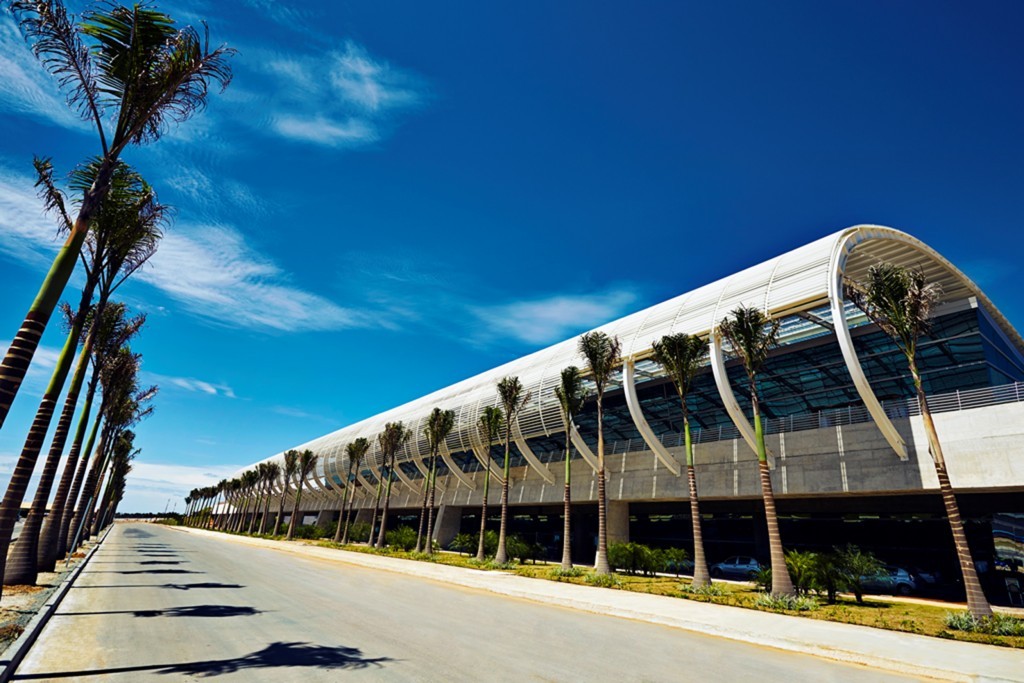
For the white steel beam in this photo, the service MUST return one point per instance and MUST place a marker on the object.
(535, 463)
(583, 448)
(637, 413)
(459, 474)
(729, 398)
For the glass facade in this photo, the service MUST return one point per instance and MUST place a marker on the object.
(964, 350)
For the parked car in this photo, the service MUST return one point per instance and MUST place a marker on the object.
(740, 567)
(891, 581)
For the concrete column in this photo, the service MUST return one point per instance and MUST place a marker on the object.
(325, 517)
(618, 521)
(447, 524)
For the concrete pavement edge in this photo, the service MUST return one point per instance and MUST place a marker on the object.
(20, 647)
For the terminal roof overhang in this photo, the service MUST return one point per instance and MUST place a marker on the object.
(805, 279)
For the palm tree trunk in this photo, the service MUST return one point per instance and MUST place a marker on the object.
(348, 516)
(280, 510)
(85, 500)
(295, 512)
(781, 582)
(93, 519)
(483, 509)
(376, 507)
(977, 603)
(266, 510)
(567, 500)
(26, 341)
(255, 511)
(601, 559)
(342, 513)
(701, 576)
(501, 556)
(76, 488)
(432, 483)
(423, 508)
(23, 559)
(387, 504)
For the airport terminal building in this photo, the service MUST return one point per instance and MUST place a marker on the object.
(849, 457)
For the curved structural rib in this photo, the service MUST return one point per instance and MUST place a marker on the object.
(637, 413)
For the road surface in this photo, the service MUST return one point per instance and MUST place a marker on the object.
(158, 604)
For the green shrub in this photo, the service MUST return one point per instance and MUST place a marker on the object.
(996, 625)
(802, 568)
(854, 566)
(402, 538)
(635, 558)
(570, 573)
(359, 532)
(763, 579)
(793, 603)
(522, 550)
(168, 521)
(603, 580)
(308, 532)
(464, 543)
(674, 560)
(710, 590)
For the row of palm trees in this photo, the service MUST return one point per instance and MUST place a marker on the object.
(129, 71)
(897, 299)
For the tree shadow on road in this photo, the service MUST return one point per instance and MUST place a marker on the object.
(188, 611)
(276, 655)
(175, 586)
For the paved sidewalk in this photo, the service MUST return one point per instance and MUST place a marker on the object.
(889, 650)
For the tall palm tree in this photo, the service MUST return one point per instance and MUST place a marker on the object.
(513, 398)
(391, 439)
(491, 420)
(113, 328)
(752, 335)
(439, 426)
(571, 397)
(307, 461)
(291, 466)
(120, 464)
(356, 451)
(127, 65)
(124, 236)
(682, 356)
(271, 471)
(900, 301)
(602, 354)
(139, 66)
(260, 483)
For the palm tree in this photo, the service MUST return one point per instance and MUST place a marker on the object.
(682, 356)
(124, 236)
(271, 471)
(139, 71)
(307, 461)
(391, 439)
(261, 479)
(513, 398)
(490, 422)
(752, 335)
(356, 451)
(291, 466)
(120, 465)
(439, 426)
(602, 355)
(900, 300)
(571, 397)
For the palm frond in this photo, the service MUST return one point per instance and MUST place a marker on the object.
(571, 394)
(54, 201)
(682, 356)
(602, 353)
(899, 300)
(751, 335)
(58, 46)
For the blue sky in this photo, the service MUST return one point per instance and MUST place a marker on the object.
(393, 196)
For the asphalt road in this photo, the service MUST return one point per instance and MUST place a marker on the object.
(159, 604)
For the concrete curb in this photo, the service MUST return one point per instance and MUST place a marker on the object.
(892, 651)
(20, 647)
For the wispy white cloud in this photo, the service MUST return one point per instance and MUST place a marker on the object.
(27, 234)
(25, 87)
(288, 411)
(214, 274)
(343, 98)
(192, 384)
(550, 319)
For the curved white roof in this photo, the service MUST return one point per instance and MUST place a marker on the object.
(796, 281)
